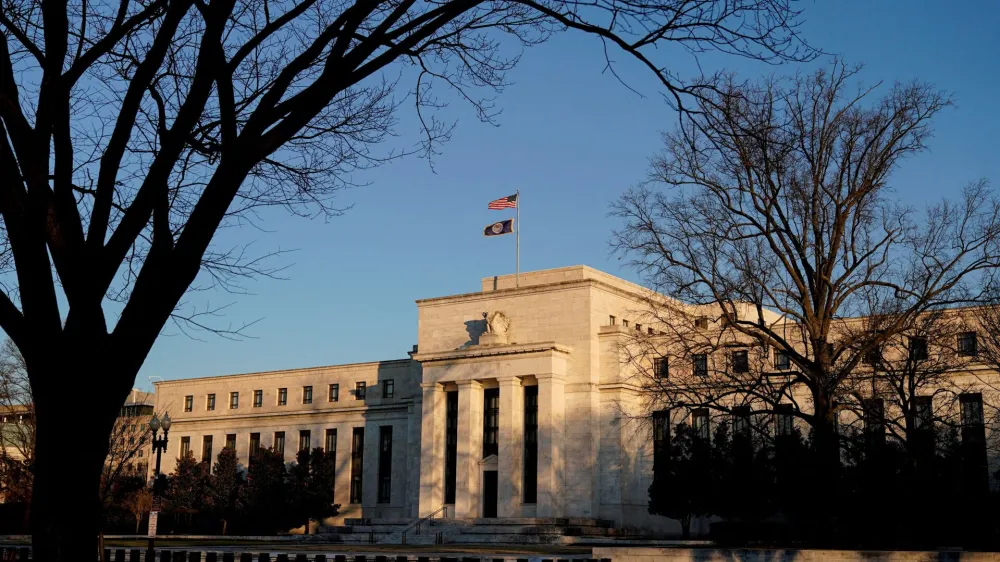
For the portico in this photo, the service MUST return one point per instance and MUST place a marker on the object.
(509, 371)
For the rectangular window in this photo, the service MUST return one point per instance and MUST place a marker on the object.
(331, 441)
(279, 443)
(185, 447)
(872, 356)
(875, 416)
(782, 361)
(231, 441)
(282, 396)
(923, 412)
(491, 421)
(388, 388)
(258, 398)
(234, 400)
(661, 443)
(188, 403)
(741, 361)
(254, 444)
(611, 320)
(307, 395)
(649, 331)
(661, 367)
(701, 323)
(334, 392)
(968, 344)
(918, 349)
(784, 421)
(360, 389)
(206, 449)
(305, 440)
(699, 422)
(741, 420)
(625, 323)
(450, 446)
(530, 444)
(700, 361)
(638, 327)
(357, 463)
(384, 463)
(210, 402)
(971, 405)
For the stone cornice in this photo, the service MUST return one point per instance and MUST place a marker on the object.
(283, 373)
(544, 288)
(484, 351)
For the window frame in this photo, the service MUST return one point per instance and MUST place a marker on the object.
(210, 402)
(965, 350)
(741, 365)
(307, 394)
(258, 398)
(234, 400)
(283, 396)
(388, 388)
(334, 392)
(360, 390)
(699, 364)
(661, 367)
(189, 403)
(701, 423)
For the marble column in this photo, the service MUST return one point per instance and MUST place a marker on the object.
(432, 448)
(510, 461)
(551, 443)
(470, 449)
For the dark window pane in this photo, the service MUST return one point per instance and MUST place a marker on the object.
(700, 361)
(360, 390)
(530, 475)
(385, 464)
(388, 388)
(741, 362)
(491, 421)
(661, 368)
(334, 392)
(307, 395)
(357, 463)
(450, 447)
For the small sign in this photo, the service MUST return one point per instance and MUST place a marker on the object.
(152, 523)
(157, 501)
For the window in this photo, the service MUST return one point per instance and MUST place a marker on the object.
(491, 421)
(451, 446)
(388, 388)
(649, 331)
(206, 449)
(923, 412)
(918, 349)
(875, 416)
(625, 323)
(638, 327)
(971, 405)
(661, 368)
(234, 400)
(185, 447)
(307, 395)
(784, 422)
(661, 443)
(357, 463)
(741, 361)
(210, 403)
(701, 323)
(781, 360)
(188, 403)
(254, 443)
(384, 463)
(699, 422)
(331, 442)
(231, 441)
(741, 420)
(661, 429)
(282, 396)
(872, 356)
(334, 392)
(305, 440)
(360, 389)
(279, 443)
(530, 475)
(258, 398)
(700, 361)
(611, 320)
(968, 344)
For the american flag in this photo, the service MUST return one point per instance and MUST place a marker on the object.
(509, 202)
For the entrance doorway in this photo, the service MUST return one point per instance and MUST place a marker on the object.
(489, 493)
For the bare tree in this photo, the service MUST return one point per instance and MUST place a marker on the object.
(132, 131)
(777, 224)
(139, 503)
(17, 427)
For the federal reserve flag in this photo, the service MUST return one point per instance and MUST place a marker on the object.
(500, 227)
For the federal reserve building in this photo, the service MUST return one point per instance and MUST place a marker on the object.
(506, 407)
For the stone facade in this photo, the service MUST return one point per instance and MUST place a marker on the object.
(510, 405)
(549, 335)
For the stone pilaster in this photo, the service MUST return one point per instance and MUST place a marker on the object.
(511, 447)
(551, 444)
(470, 449)
(432, 448)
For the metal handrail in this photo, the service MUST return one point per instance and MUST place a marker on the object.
(416, 524)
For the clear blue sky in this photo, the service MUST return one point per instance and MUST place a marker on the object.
(571, 139)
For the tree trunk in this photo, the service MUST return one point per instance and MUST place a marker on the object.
(224, 524)
(73, 426)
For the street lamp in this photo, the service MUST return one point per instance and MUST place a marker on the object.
(159, 446)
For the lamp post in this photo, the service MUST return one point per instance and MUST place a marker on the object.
(159, 446)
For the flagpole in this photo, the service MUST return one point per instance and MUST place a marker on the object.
(517, 243)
